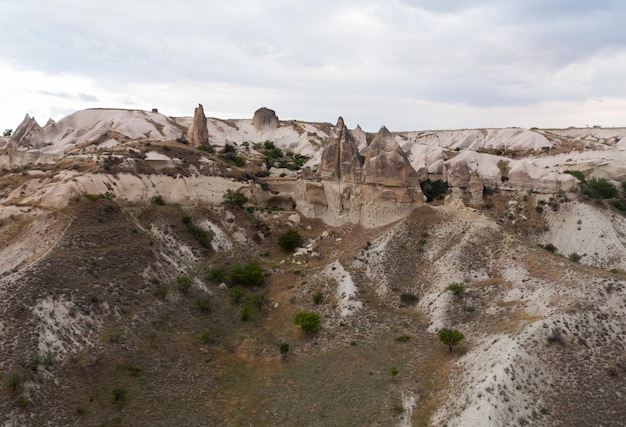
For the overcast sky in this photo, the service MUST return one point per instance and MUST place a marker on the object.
(409, 65)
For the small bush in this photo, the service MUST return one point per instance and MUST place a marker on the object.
(92, 197)
(207, 338)
(249, 275)
(408, 298)
(80, 410)
(576, 174)
(450, 337)
(394, 371)
(161, 292)
(158, 200)
(433, 189)
(457, 289)
(236, 294)
(14, 382)
(290, 240)
(234, 199)
(468, 309)
(119, 394)
(549, 247)
(309, 321)
(207, 148)
(403, 338)
(599, 188)
(75, 198)
(216, 275)
(245, 311)
(283, 348)
(318, 297)
(574, 257)
(204, 305)
(184, 283)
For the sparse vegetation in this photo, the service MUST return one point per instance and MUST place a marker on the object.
(184, 283)
(450, 337)
(283, 348)
(158, 200)
(290, 240)
(7, 132)
(234, 199)
(15, 381)
(309, 321)
(318, 297)
(574, 257)
(457, 289)
(434, 189)
(403, 338)
(549, 247)
(250, 274)
(394, 371)
(204, 304)
(408, 298)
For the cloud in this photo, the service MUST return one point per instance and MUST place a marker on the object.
(314, 58)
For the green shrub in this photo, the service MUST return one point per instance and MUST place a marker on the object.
(245, 311)
(394, 371)
(549, 247)
(468, 309)
(236, 294)
(216, 275)
(576, 174)
(408, 298)
(234, 199)
(433, 189)
(318, 297)
(620, 205)
(290, 240)
(309, 321)
(92, 197)
(119, 394)
(403, 338)
(574, 257)
(249, 275)
(15, 381)
(207, 338)
(204, 305)
(161, 292)
(207, 148)
(184, 283)
(599, 188)
(457, 289)
(80, 410)
(450, 337)
(283, 348)
(158, 200)
(229, 148)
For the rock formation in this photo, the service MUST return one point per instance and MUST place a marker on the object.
(384, 190)
(199, 130)
(341, 160)
(28, 134)
(265, 119)
(386, 164)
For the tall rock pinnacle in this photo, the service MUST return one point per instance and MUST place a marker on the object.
(199, 130)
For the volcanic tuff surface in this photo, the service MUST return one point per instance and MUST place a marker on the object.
(118, 306)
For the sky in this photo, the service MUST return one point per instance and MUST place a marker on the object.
(408, 65)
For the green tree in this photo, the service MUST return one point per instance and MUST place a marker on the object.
(290, 240)
(8, 132)
(309, 321)
(250, 274)
(234, 199)
(450, 337)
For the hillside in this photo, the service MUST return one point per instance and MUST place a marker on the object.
(121, 303)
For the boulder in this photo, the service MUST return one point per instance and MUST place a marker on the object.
(265, 119)
(199, 130)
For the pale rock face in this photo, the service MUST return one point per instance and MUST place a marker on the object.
(265, 119)
(28, 134)
(525, 177)
(199, 130)
(386, 163)
(341, 159)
